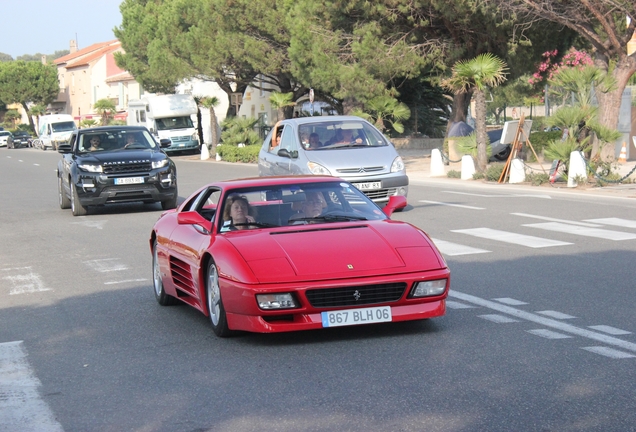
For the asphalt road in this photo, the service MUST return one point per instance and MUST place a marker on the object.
(539, 334)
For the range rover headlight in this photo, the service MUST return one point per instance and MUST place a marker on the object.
(159, 164)
(91, 168)
(397, 165)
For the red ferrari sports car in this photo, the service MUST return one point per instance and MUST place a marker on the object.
(276, 254)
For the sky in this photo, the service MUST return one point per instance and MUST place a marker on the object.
(46, 26)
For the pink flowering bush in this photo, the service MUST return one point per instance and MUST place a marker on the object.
(548, 68)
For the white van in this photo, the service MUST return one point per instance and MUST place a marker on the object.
(55, 129)
(167, 116)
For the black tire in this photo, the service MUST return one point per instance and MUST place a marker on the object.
(503, 155)
(76, 205)
(171, 203)
(64, 200)
(216, 311)
(160, 294)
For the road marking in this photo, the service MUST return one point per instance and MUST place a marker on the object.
(21, 408)
(583, 231)
(548, 334)
(90, 223)
(608, 352)
(454, 249)
(510, 301)
(452, 205)
(555, 314)
(556, 220)
(610, 330)
(457, 305)
(24, 281)
(626, 223)
(125, 281)
(501, 196)
(546, 322)
(499, 319)
(106, 265)
(509, 237)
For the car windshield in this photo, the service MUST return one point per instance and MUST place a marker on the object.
(296, 204)
(115, 140)
(2, 133)
(63, 126)
(339, 134)
(184, 122)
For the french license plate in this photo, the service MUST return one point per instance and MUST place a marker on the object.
(129, 180)
(356, 316)
(368, 185)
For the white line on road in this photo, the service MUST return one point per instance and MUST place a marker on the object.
(584, 231)
(626, 223)
(548, 334)
(556, 220)
(106, 265)
(21, 408)
(452, 205)
(454, 249)
(501, 196)
(555, 314)
(499, 319)
(608, 352)
(547, 322)
(24, 281)
(510, 237)
(125, 281)
(610, 330)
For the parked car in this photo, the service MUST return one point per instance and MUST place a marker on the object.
(363, 156)
(278, 254)
(21, 139)
(114, 164)
(6, 138)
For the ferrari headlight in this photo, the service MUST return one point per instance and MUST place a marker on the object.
(318, 169)
(397, 165)
(159, 164)
(429, 288)
(276, 301)
(91, 168)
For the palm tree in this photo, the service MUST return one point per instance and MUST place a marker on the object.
(210, 103)
(105, 108)
(36, 111)
(282, 102)
(478, 74)
(385, 109)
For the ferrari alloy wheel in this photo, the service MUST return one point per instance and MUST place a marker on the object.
(215, 304)
(77, 207)
(162, 297)
(65, 202)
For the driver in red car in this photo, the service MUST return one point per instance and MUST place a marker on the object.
(236, 214)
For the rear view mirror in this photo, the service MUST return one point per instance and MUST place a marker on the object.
(396, 202)
(164, 143)
(64, 148)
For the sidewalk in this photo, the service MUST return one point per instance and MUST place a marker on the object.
(418, 163)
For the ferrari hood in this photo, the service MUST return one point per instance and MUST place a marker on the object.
(335, 251)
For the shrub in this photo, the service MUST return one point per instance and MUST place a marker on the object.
(540, 140)
(537, 179)
(230, 153)
(493, 172)
(454, 174)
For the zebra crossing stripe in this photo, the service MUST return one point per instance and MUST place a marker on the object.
(454, 249)
(510, 237)
(584, 231)
(625, 223)
(21, 408)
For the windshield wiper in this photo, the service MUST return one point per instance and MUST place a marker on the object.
(332, 218)
(256, 224)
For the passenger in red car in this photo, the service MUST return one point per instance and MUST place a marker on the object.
(237, 212)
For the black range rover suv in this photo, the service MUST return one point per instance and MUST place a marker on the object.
(114, 164)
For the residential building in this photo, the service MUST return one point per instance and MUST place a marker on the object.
(89, 74)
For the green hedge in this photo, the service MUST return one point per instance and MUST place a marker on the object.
(230, 153)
